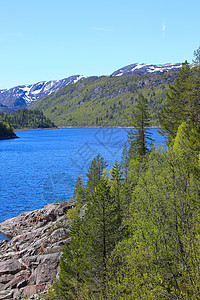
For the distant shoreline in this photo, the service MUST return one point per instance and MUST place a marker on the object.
(63, 127)
(26, 129)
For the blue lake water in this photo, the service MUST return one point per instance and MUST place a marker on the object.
(42, 165)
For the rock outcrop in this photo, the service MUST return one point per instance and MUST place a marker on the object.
(30, 260)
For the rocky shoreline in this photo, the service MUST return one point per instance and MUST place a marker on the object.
(30, 260)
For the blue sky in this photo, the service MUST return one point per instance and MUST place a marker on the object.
(50, 40)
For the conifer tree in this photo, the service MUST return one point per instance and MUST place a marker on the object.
(125, 161)
(116, 190)
(79, 192)
(195, 97)
(140, 136)
(100, 234)
(95, 173)
(176, 110)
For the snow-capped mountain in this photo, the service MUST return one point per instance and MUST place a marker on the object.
(25, 95)
(146, 69)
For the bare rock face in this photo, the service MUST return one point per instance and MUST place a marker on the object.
(29, 261)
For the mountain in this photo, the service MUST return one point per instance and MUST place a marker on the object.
(95, 101)
(146, 69)
(106, 100)
(25, 95)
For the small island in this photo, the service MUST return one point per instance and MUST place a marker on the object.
(6, 131)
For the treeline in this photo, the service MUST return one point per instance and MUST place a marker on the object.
(27, 118)
(135, 230)
(6, 131)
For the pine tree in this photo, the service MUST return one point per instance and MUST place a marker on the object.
(177, 107)
(195, 97)
(95, 172)
(100, 234)
(125, 162)
(79, 192)
(116, 190)
(140, 136)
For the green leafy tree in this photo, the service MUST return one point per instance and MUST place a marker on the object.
(160, 259)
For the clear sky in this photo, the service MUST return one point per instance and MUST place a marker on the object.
(49, 40)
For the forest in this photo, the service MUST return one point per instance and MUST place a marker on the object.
(135, 229)
(26, 118)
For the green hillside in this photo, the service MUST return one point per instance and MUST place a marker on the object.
(106, 101)
(24, 118)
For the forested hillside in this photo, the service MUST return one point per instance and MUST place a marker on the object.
(106, 101)
(27, 119)
(135, 229)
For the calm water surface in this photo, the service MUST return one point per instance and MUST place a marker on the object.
(42, 165)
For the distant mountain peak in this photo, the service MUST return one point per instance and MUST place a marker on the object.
(141, 68)
(26, 95)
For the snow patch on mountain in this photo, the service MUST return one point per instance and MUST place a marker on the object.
(26, 95)
(141, 68)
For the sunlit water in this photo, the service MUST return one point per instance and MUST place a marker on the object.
(42, 165)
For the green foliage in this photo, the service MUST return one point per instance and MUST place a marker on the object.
(106, 101)
(183, 101)
(176, 112)
(146, 247)
(6, 130)
(135, 233)
(95, 173)
(79, 192)
(139, 137)
(25, 118)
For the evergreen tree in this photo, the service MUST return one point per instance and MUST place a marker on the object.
(72, 264)
(140, 136)
(95, 172)
(177, 107)
(79, 192)
(195, 95)
(116, 190)
(101, 227)
(125, 161)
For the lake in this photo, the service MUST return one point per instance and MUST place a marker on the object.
(42, 165)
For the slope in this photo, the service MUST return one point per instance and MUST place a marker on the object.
(106, 101)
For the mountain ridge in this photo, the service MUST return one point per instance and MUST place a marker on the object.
(23, 96)
(106, 101)
(142, 68)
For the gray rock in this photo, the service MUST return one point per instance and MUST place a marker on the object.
(5, 295)
(30, 260)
